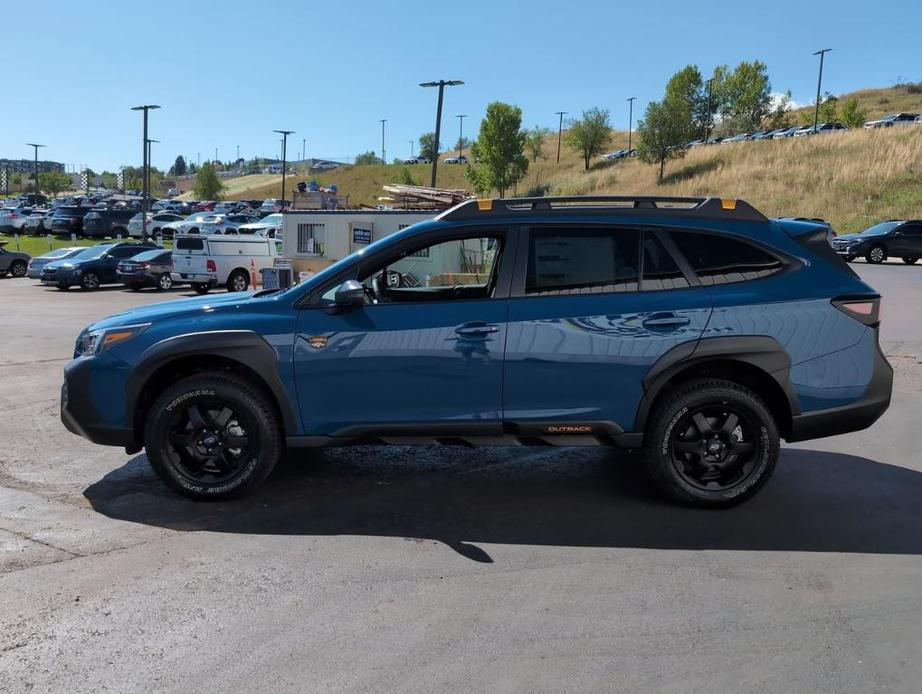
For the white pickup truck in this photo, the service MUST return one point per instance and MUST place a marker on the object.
(209, 261)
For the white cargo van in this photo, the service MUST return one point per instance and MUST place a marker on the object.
(210, 261)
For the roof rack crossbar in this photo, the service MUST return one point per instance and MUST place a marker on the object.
(711, 207)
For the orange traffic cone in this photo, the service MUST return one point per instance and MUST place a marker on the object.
(253, 273)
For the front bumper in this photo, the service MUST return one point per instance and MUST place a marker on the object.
(81, 417)
(853, 417)
(61, 279)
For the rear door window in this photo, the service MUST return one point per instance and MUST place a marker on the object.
(660, 270)
(719, 259)
(570, 261)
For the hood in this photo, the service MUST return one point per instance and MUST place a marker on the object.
(178, 307)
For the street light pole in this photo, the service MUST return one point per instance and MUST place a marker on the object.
(707, 120)
(438, 120)
(149, 162)
(630, 122)
(383, 155)
(460, 133)
(559, 131)
(412, 142)
(145, 196)
(284, 134)
(819, 84)
(35, 168)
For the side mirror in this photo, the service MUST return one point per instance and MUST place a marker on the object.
(350, 293)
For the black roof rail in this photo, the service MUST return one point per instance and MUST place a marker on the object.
(710, 207)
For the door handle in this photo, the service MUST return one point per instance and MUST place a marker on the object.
(666, 321)
(476, 329)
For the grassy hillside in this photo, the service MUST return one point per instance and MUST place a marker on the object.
(853, 179)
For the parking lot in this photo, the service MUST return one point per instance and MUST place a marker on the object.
(402, 569)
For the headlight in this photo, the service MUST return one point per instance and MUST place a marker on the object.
(94, 341)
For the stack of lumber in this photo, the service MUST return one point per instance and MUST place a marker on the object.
(424, 198)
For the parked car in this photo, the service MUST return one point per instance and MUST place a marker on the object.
(93, 268)
(705, 354)
(892, 119)
(36, 264)
(899, 238)
(741, 137)
(68, 219)
(225, 223)
(37, 223)
(13, 218)
(13, 262)
(151, 268)
(102, 222)
(456, 160)
(270, 206)
(786, 132)
(211, 261)
(419, 159)
(269, 225)
(163, 223)
(191, 224)
(821, 129)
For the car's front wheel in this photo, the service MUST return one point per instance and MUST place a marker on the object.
(19, 268)
(213, 436)
(89, 281)
(711, 443)
(876, 255)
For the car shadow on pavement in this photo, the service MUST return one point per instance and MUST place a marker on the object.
(816, 502)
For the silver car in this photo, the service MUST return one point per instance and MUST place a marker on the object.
(36, 264)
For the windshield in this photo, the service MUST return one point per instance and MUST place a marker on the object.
(94, 252)
(880, 229)
(271, 219)
(62, 253)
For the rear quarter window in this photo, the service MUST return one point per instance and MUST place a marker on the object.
(720, 259)
(187, 244)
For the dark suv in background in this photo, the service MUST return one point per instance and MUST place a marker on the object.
(103, 222)
(68, 219)
(92, 268)
(899, 238)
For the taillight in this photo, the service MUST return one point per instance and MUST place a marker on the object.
(210, 265)
(863, 309)
(144, 265)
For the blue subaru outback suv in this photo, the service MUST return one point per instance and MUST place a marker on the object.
(695, 329)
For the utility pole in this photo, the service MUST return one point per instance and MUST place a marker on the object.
(707, 120)
(412, 142)
(238, 154)
(145, 196)
(383, 154)
(559, 131)
(460, 134)
(284, 134)
(303, 149)
(630, 122)
(35, 168)
(438, 120)
(819, 85)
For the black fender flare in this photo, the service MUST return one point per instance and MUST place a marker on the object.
(763, 352)
(243, 346)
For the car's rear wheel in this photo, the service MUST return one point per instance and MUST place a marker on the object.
(711, 443)
(19, 268)
(200, 288)
(164, 282)
(89, 281)
(238, 281)
(910, 259)
(876, 255)
(213, 436)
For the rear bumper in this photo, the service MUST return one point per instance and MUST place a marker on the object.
(853, 417)
(78, 414)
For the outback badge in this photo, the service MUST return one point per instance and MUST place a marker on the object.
(317, 341)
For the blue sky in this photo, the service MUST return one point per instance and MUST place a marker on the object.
(228, 73)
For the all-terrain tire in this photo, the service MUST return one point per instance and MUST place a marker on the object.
(207, 393)
(676, 413)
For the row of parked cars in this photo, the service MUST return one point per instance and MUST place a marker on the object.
(888, 121)
(107, 219)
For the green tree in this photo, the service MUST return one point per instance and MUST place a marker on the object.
(780, 116)
(428, 147)
(207, 184)
(745, 95)
(590, 134)
(403, 176)
(685, 94)
(462, 143)
(852, 115)
(366, 158)
(829, 109)
(179, 167)
(663, 133)
(499, 159)
(534, 143)
(54, 182)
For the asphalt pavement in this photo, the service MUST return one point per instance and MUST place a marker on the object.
(424, 570)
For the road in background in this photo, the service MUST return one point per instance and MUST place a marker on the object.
(516, 569)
